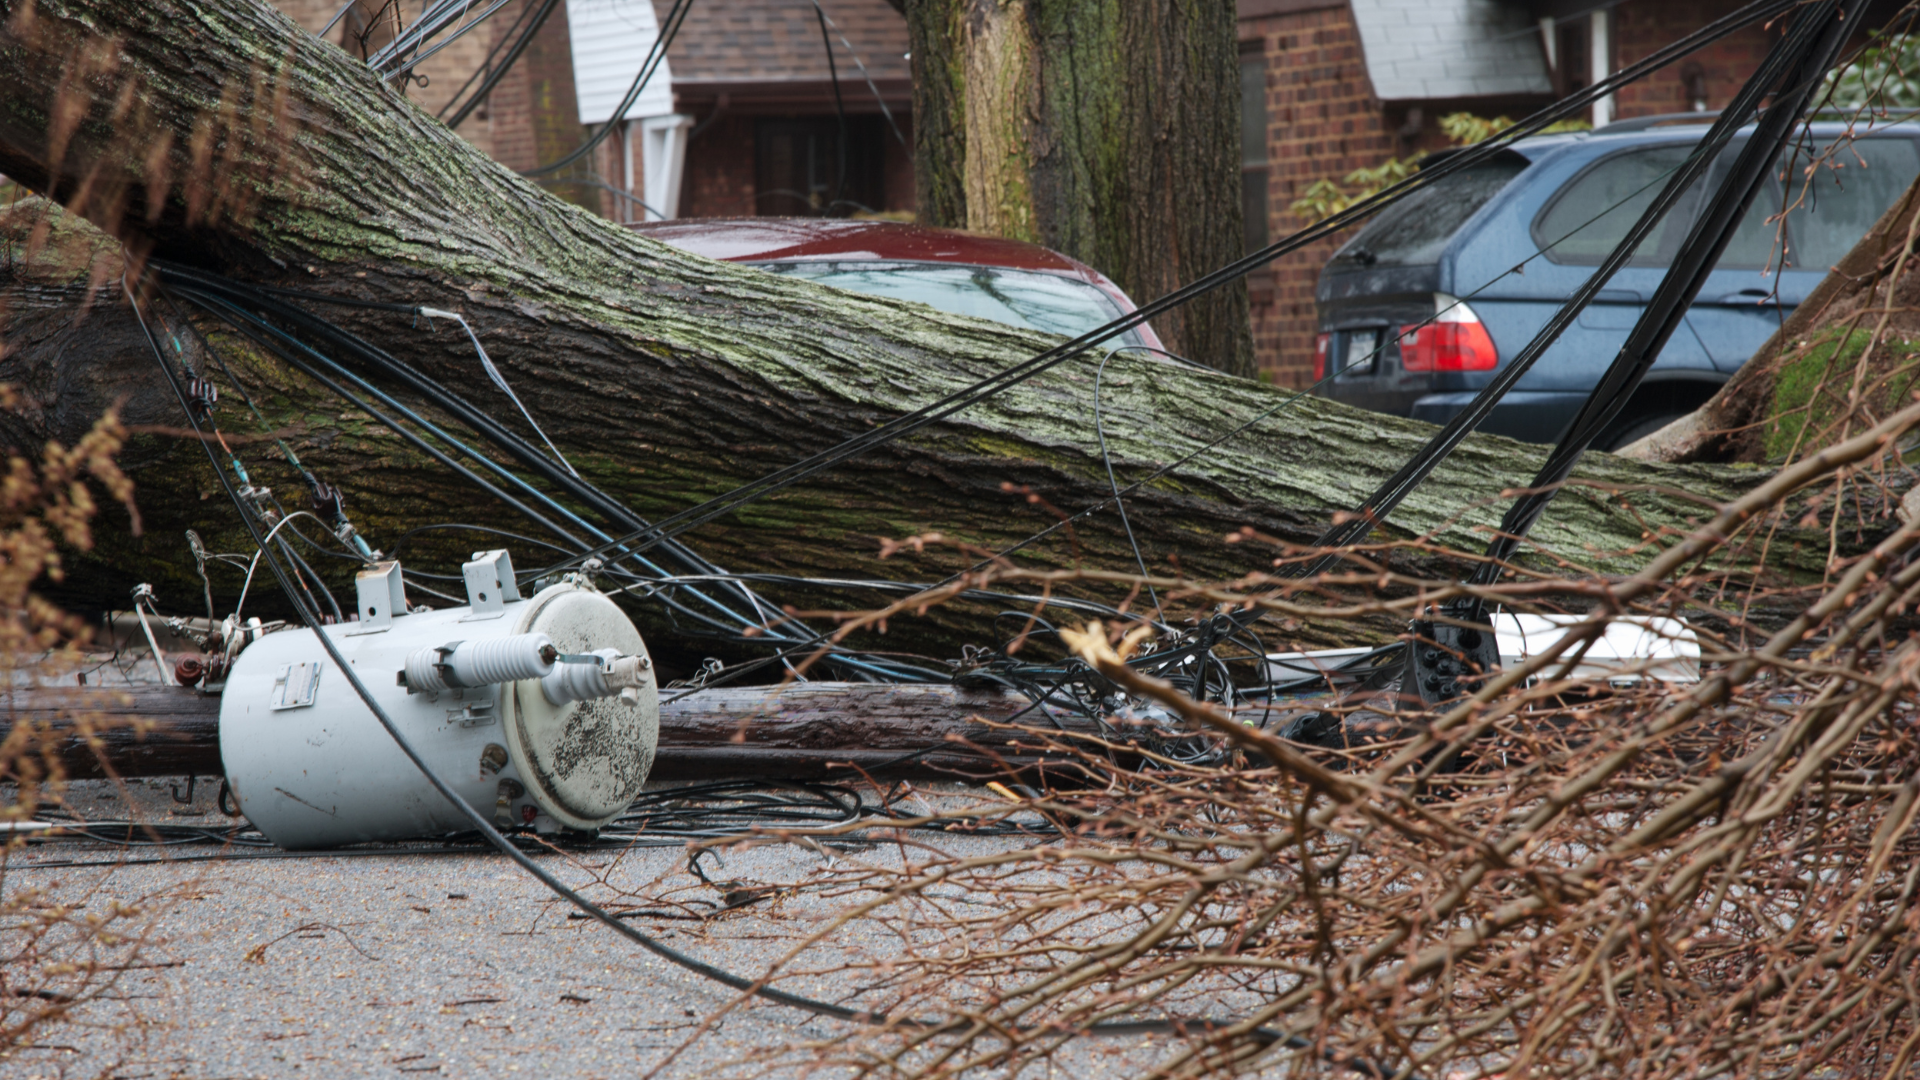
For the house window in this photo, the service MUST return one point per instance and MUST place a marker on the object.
(797, 167)
(1253, 143)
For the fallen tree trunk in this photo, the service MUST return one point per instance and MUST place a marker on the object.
(806, 731)
(220, 135)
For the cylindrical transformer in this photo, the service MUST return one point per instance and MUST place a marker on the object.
(311, 766)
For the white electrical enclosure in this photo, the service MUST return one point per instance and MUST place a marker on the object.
(311, 766)
(1632, 648)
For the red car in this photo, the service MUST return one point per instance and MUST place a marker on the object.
(1004, 280)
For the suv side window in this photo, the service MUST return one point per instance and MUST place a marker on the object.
(1834, 203)
(1591, 215)
(1831, 209)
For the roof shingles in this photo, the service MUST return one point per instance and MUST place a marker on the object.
(779, 41)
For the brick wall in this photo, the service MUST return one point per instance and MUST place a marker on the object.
(1642, 26)
(508, 119)
(444, 71)
(1322, 121)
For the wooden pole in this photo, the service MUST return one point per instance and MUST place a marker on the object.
(805, 731)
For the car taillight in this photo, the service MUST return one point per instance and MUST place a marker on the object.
(1320, 344)
(1455, 340)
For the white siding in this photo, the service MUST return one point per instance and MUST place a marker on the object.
(610, 42)
(1449, 48)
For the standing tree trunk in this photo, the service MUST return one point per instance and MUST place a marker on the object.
(1107, 131)
(218, 134)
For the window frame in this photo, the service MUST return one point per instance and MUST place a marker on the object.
(1256, 225)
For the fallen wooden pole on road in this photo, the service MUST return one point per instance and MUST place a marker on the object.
(803, 731)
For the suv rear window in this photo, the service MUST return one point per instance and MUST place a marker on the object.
(1413, 231)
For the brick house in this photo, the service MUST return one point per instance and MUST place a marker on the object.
(750, 114)
(1329, 86)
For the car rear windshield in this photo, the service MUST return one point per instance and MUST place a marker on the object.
(1035, 301)
(1413, 231)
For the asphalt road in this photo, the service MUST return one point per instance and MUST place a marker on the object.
(448, 965)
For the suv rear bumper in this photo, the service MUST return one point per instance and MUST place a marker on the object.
(1535, 416)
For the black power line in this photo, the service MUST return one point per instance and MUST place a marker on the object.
(839, 107)
(669, 29)
(1826, 30)
(515, 43)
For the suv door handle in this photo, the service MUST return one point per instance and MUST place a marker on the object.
(1751, 298)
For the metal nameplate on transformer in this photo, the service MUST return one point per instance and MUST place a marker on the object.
(295, 685)
(478, 714)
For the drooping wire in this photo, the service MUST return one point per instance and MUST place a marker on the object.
(857, 62)
(219, 296)
(839, 106)
(669, 29)
(1113, 482)
(291, 351)
(515, 42)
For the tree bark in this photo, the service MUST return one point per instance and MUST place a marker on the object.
(1106, 130)
(808, 731)
(216, 133)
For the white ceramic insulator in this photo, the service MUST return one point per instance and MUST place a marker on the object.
(480, 663)
(503, 659)
(613, 675)
(422, 676)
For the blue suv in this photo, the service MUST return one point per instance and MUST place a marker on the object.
(1494, 250)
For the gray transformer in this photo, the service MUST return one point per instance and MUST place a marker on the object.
(569, 744)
